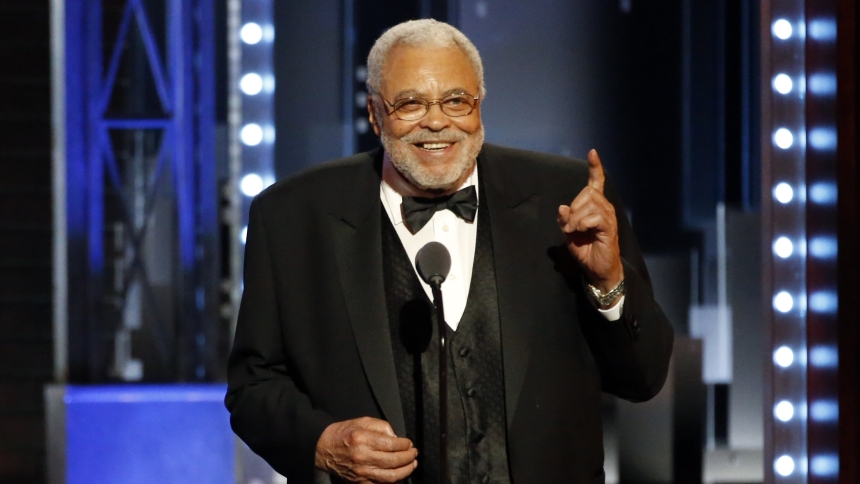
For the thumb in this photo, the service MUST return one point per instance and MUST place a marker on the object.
(378, 425)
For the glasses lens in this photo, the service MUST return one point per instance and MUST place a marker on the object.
(410, 108)
(458, 105)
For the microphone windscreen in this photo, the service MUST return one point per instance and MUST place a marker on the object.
(433, 262)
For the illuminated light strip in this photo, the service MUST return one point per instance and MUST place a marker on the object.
(787, 185)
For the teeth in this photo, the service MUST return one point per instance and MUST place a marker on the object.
(435, 146)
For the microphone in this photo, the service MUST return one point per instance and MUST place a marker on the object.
(433, 263)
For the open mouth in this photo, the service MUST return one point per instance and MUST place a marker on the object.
(433, 146)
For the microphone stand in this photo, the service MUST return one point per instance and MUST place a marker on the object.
(436, 285)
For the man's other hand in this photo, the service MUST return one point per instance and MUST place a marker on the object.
(591, 230)
(365, 450)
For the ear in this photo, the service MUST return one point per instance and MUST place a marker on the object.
(371, 116)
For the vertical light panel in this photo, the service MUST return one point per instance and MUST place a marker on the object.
(800, 225)
(256, 85)
(784, 205)
(251, 118)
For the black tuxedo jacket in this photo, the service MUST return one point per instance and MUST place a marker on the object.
(312, 343)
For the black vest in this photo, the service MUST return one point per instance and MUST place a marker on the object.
(477, 434)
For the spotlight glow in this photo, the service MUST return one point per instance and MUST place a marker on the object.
(783, 192)
(824, 357)
(783, 247)
(783, 302)
(784, 411)
(244, 234)
(783, 138)
(251, 84)
(782, 84)
(251, 185)
(781, 29)
(783, 356)
(784, 466)
(251, 134)
(251, 33)
(824, 411)
(825, 465)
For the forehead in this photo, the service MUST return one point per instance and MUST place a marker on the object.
(428, 71)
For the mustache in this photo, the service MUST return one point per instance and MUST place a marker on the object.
(427, 136)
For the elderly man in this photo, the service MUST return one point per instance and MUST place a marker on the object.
(333, 373)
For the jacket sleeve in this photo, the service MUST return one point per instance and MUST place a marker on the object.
(268, 409)
(633, 352)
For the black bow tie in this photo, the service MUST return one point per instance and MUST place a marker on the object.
(418, 211)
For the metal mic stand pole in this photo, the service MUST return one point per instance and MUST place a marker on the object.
(443, 382)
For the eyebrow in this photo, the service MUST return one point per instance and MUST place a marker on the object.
(418, 94)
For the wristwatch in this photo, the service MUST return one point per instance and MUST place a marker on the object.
(609, 297)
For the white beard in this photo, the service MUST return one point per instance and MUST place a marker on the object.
(409, 165)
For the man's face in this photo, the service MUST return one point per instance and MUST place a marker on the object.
(436, 151)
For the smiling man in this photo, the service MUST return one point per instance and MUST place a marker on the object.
(334, 371)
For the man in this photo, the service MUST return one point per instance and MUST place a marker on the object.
(333, 370)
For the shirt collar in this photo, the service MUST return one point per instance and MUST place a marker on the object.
(392, 199)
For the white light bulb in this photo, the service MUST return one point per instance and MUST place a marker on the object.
(784, 466)
(251, 33)
(783, 302)
(783, 192)
(784, 410)
(251, 134)
(251, 84)
(783, 138)
(251, 184)
(783, 247)
(783, 356)
(781, 29)
(782, 83)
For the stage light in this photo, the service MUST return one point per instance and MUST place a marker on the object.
(824, 411)
(784, 466)
(783, 247)
(783, 138)
(824, 465)
(251, 33)
(822, 84)
(782, 83)
(783, 302)
(823, 193)
(824, 357)
(251, 134)
(784, 410)
(783, 356)
(823, 138)
(823, 247)
(251, 184)
(824, 302)
(782, 29)
(251, 84)
(783, 192)
(822, 30)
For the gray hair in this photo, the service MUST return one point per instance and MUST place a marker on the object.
(421, 33)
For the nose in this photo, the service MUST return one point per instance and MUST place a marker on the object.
(435, 119)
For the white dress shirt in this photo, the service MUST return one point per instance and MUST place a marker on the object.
(459, 237)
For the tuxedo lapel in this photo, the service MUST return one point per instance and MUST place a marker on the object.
(357, 236)
(513, 207)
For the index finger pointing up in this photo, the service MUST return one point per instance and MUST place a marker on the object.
(596, 177)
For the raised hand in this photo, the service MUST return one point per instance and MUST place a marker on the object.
(591, 230)
(365, 450)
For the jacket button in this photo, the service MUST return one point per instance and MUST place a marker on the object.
(478, 437)
(471, 392)
(464, 352)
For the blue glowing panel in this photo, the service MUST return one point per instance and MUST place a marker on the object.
(148, 434)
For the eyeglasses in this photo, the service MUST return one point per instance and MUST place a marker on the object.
(415, 108)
